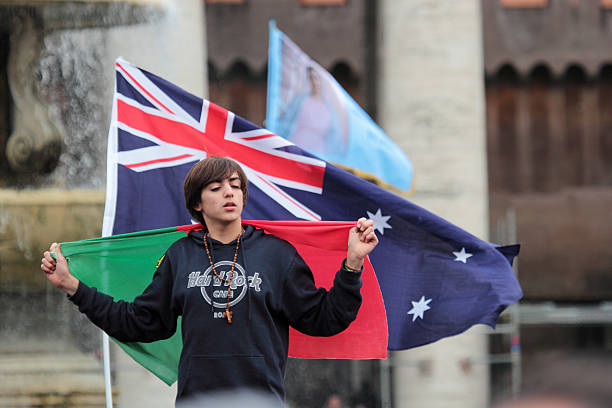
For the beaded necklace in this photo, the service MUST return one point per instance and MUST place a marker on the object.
(227, 312)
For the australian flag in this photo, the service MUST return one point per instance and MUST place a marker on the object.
(437, 280)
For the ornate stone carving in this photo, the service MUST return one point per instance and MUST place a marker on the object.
(36, 140)
(42, 109)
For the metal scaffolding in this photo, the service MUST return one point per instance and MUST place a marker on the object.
(511, 318)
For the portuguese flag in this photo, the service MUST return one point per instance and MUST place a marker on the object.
(123, 265)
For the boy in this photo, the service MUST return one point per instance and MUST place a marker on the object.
(236, 288)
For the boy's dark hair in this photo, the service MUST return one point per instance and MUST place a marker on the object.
(211, 169)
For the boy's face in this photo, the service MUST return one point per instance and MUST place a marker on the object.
(222, 201)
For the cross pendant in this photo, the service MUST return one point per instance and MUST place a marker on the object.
(228, 314)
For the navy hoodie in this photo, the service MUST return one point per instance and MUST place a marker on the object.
(272, 289)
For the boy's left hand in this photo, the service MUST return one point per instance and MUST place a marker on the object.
(361, 241)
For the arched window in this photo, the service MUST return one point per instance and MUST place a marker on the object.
(604, 102)
(502, 99)
(348, 80)
(574, 81)
(540, 140)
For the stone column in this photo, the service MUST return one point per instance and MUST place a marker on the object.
(173, 47)
(431, 103)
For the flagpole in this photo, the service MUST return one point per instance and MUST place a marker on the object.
(385, 381)
(107, 375)
(108, 221)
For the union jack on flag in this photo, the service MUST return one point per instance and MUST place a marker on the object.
(436, 279)
(154, 128)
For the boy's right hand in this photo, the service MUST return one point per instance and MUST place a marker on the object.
(57, 272)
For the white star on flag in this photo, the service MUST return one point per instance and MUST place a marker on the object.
(418, 308)
(380, 221)
(462, 256)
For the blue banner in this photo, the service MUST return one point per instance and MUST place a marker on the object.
(308, 107)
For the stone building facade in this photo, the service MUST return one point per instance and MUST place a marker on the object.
(548, 74)
(237, 63)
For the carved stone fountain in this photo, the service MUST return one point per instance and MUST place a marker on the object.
(56, 83)
(35, 143)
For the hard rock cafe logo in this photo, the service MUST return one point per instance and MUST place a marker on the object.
(238, 289)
